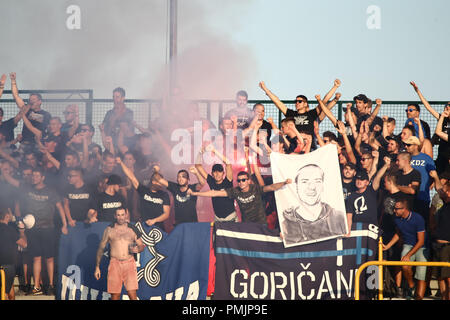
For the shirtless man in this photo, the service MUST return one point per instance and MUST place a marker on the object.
(124, 240)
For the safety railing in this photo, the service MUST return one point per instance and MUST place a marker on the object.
(3, 284)
(380, 263)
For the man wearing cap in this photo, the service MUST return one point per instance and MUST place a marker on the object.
(219, 179)
(361, 205)
(108, 201)
(424, 164)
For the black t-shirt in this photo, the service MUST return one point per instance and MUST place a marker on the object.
(363, 206)
(40, 120)
(7, 129)
(406, 179)
(8, 248)
(304, 121)
(250, 203)
(106, 206)
(7, 195)
(387, 218)
(42, 204)
(152, 203)
(56, 145)
(348, 188)
(80, 201)
(442, 217)
(185, 204)
(222, 206)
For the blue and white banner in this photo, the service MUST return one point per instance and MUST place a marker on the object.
(173, 266)
(252, 263)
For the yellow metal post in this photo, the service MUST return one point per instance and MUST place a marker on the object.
(3, 287)
(380, 269)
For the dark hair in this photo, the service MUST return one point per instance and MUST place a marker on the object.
(185, 171)
(410, 128)
(217, 168)
(242, 93)
(391, 120)
(37, 94)
(1, 111)
(243, 173)
(415, 105)
(257, 104)
(404, 201)
(303, 97)
(79, 170)
(120, 90)
(330, 135)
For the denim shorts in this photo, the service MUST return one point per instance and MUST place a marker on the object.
(421, 255)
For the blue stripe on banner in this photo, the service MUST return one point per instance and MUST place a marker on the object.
(358, 244)
(295, 255)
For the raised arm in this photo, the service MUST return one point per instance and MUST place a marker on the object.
(280, 105)
(424, 101)
(377, 179)
(325, 110)
(15, 92)
(201, 180)
(438, 130)
(159, 178)
(375, 111)
(348, 145)
(130, 175)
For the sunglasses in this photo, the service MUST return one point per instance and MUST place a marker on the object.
(242, 180)
(410, 110)
(364, 159)
(299, 101)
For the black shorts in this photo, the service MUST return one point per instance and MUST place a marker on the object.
(41, 242)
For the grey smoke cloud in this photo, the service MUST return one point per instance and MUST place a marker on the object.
(123, 44)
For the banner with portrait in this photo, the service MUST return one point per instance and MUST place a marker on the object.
(252, 263)
(312, 207)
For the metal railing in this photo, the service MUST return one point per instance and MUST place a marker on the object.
(92, 111)
(380, 263)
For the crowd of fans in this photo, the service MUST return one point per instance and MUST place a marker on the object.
(54, 171)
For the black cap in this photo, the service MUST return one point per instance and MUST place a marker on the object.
(362, 175)
(114, 179)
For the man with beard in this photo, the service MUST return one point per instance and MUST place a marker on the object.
(241, 112)
(348, 179)
(154, 202)
(185, 203)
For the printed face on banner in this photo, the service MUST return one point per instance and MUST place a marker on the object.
(312, 208)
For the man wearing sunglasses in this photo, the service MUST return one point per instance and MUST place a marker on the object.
(248, 196)
(412, 112)
(304, 118)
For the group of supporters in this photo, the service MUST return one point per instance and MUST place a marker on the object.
(53, 172)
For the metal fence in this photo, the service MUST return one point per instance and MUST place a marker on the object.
(92, 110)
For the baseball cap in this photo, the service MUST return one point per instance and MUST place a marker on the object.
(362, 175)
(412, 140)
(114, 179)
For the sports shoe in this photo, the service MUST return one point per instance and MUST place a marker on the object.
(36, 291)
(409, 293)
(50, 291)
